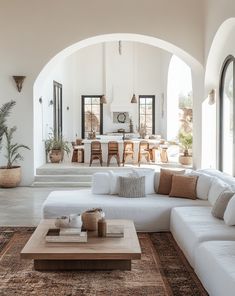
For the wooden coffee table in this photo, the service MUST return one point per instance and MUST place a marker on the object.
(97, 254)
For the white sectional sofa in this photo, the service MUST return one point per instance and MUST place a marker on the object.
(207, 242)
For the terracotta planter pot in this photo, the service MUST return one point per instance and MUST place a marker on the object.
(10, 178)
(56, 156)
(185, 160)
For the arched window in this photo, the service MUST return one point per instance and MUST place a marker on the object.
(227, 112)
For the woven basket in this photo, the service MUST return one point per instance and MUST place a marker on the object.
(90, 220)
(10, 178)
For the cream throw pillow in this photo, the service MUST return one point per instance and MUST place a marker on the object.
(132, 186)
(184, 186)
(229, 214)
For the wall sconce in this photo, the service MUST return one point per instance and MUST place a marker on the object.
(40, 100)
(211, 97)
(103, 99)
(19, 82)
(51, 103)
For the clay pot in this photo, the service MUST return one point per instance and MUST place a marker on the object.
(10, 178)
(56, 156)
(185, 160)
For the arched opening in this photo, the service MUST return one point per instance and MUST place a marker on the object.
(43, 106)
(179, 101)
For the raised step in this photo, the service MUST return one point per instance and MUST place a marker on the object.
(61, 184)
(63, 178)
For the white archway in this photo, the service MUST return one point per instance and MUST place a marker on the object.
(221, 47)
(39, 155)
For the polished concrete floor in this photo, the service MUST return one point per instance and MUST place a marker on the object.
(22, 206)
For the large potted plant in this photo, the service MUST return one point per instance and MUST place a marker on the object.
(4, 113)
(55, 148)
(10, 175)
(186, 142)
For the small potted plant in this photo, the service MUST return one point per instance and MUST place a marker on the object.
(10, 175)
(55, 148)
(186, 143)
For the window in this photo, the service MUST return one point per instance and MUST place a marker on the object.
(57, 109)
(92, 115)
(227, 136)
(147, 113)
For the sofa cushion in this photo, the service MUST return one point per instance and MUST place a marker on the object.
(151, 213)
(166, 180)
(215, 267)
(192, 225)
(115, 182)
(149, 175)
(184, 186)
(203, 184)
(132, 187)
(217, 187)
(221, 203)
(100, 183)
(229, 214)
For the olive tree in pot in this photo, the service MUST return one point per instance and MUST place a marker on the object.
(10, 175)
(186, 143)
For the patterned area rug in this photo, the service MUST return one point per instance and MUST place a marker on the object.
(163, 270)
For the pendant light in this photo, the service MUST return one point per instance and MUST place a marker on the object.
(133, 99)
(103, 99)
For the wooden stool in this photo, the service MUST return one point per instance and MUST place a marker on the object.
(144, 151)
(96, 152)
(128, 150)
(113, 151)
(163, 154)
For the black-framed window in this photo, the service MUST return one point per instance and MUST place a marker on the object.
(147, 113)
(227, 113)
(57, 109)
(92, 115)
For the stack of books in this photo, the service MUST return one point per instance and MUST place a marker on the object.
(66, 235)
(115, 231)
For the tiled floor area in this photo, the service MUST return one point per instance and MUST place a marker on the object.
(22, 206)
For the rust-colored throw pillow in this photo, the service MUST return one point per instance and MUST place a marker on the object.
(166, 180)
(184, 186)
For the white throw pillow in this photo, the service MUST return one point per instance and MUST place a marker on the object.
(100, 183)
(115, 182)
(217, 187)
(229, 214)
(204, 183)
(149, 175)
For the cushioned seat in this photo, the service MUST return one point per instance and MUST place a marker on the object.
(150, 213)
(193, 225)
(215, 267)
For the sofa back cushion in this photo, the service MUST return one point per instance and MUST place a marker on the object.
(149, 175)
(132, 187)
(166, 180)
(204, 183)
(184, 186)
(217, 187)
(229, 214)
(114, 181)
(100, 183)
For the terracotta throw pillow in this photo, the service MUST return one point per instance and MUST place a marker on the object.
(166, 180)
(184, 186)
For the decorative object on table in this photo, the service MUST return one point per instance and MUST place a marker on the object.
(120, 117)
(73, 220)
(91, 217)
(55, 235)
(142, 130)
(115, 231)
(186, 143)
(131, 126)
(102, 227)
(55, 147)
(19, 82)
(10, 175)
(92, 135)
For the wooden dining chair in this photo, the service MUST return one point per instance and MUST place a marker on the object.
(128, 150)
(96, 152)
(144, 151)
(113, 151)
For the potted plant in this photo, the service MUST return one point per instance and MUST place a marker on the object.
(186, 142)
(4, 112)
(10, 175)
(55, 147)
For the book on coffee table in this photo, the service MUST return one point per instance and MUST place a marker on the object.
(56, 235)
(115, 231)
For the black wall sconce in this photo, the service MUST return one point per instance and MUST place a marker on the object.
(19, 82)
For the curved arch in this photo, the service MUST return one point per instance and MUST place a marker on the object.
(190, 60)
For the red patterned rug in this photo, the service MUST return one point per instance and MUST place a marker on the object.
(163, 270)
